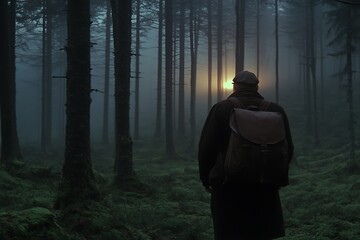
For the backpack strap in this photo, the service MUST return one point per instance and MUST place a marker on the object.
(264, 105)
(236, 102)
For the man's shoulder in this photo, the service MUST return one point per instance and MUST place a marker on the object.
(222, 108)
(274, 106)
(223, 104)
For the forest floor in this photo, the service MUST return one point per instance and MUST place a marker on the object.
(321, 203)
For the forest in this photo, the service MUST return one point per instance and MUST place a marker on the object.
(102, 103)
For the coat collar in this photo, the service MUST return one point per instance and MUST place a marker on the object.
(244, 92)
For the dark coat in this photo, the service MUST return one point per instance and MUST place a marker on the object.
(238, 211)
(216, 132)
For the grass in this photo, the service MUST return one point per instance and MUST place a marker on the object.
(322, 201)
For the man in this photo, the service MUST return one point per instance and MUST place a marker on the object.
(239, 211)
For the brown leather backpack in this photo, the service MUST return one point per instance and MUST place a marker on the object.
(258, 151)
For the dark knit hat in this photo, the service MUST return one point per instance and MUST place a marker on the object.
(245, 77)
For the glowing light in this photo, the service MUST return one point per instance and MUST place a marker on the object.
(227, 85)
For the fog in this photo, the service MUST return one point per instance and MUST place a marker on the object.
(291, 65)
(55, 185)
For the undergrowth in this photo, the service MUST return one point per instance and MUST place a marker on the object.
(322, 201)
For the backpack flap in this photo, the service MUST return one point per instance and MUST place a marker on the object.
(257, 149)
(260, 127)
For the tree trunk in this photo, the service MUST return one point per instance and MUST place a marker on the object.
(174, 67)
(322, 97)
(159, 73)
(46, 133)
(209, 36)
(219, 51)
(193, 51)
(61, 91)
(105, 135)
(43, 81)
(78, 181)
(170, 150)
(322, 85)
(4, 82)
(258, 39)
(240, 35)
(308, 105)
(308, 95)
(182, 72)
(277, 51)
(137, 71)
(10, 148)
(123, 166)
(313, 73)
(349, 72)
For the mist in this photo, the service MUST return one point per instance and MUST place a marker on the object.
(304, 53)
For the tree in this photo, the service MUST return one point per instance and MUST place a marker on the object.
(159, 72)
(307, 78)
(258, 38)
(123, 166)
(194, 42)
(312, 67)
(105, 136)
(78, 181)
(209, 36)
(240, 35)
(302, 37)
(277, 51)
(322, 98)
(170, 150)
(10, 148)
(46, 101)
(219, 50)
(182, 71)
(343, 20)
(137, 70)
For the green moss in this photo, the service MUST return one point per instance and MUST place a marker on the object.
(7, 181)
(321, 203)
(181, 194)
(21, 224)
(16, 164)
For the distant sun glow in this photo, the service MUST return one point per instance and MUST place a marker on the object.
(228, 85)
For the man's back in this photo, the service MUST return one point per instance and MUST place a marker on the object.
(216, 133)
(239, 210)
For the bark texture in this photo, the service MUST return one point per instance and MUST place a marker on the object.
(123, 166)
(78, 182)
(10, 148)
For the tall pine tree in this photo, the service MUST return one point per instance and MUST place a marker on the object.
(78, 181)
(123, 166)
